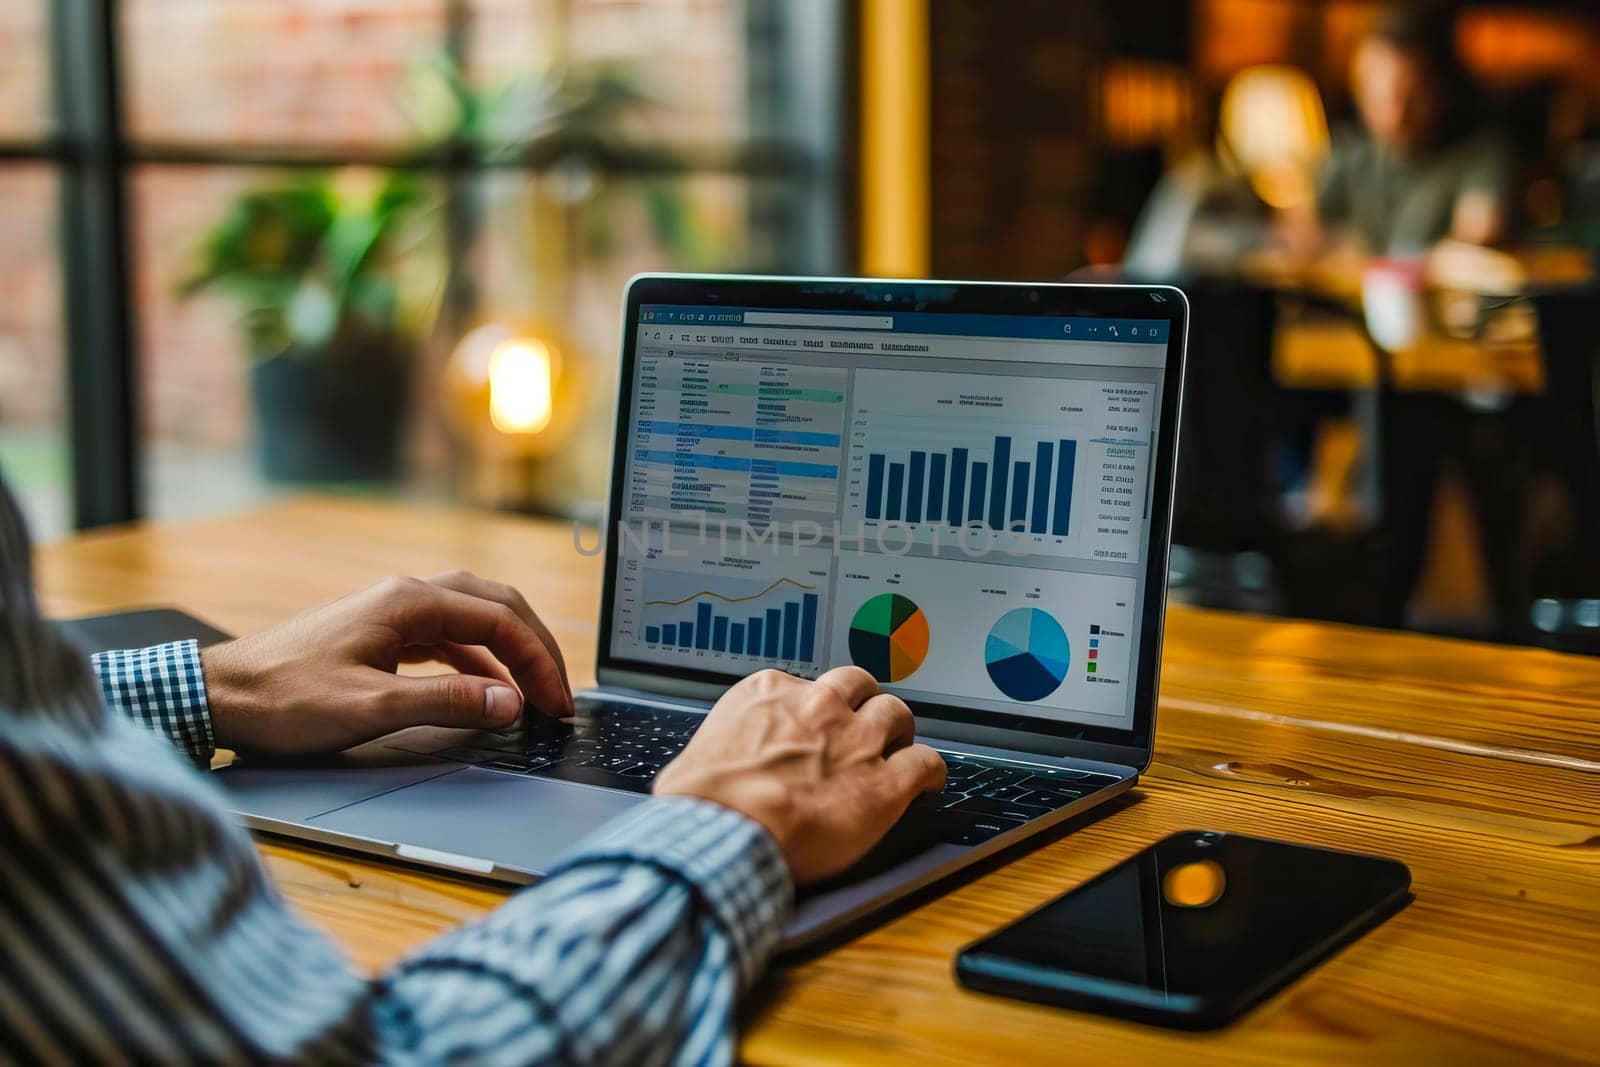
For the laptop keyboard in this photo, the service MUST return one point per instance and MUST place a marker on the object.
(624, 746)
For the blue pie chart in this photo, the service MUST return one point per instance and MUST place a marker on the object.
(1027, 654)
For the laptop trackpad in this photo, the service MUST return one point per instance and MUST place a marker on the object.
(525, 823)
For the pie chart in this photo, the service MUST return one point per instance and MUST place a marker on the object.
(1027, 654)
(889, 637)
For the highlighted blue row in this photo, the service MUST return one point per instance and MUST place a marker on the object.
(788, 632)
(694, 460)
(760, 435)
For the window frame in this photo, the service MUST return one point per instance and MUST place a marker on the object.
(796, 57)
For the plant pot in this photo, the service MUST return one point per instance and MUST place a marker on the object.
(334, 414)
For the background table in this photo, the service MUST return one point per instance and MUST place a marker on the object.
(1478, 766)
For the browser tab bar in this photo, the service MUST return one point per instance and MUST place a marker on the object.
(949, 324)
(825, 321)
(1079, 347)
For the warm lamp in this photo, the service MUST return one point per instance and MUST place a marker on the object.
(521, 386)
(512, 400)
(507, 390)
(1273, 126)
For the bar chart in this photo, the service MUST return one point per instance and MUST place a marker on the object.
(1026, 466)
(712, 621)
(950, 487)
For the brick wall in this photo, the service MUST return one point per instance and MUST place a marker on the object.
(275, 71)
(24, 68)
(31, 370)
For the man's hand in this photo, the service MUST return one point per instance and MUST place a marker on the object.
(325, 679)
(826, 766)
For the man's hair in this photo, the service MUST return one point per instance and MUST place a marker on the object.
(1427, 32)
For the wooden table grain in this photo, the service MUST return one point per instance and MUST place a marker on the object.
(1476, 765)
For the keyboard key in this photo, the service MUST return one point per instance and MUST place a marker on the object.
(568, 771)
(516, 767)
(620, 746)
(958, 829)
(994, 776)
(1056, 797)
(1061, 774)
(1005, 792)
(520, 764)
(957, 770)
(1000, 809)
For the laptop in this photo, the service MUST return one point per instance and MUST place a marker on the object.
(963, 488)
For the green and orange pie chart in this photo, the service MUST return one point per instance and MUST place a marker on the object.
(889, 637)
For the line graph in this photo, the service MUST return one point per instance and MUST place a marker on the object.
(729, 599)
(756, 608)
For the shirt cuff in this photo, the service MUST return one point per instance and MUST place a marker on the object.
(163, 689)
(729, 859)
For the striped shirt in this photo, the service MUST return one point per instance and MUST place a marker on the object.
(138, 925)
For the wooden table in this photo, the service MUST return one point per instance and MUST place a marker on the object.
(1334, 352)
(1478, 766)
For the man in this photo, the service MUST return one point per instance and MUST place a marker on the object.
(1422, 180)
(137, 925)
(1418, 171)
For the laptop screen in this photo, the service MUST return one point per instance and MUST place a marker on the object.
(959, 503)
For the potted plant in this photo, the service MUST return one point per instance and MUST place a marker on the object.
(336, 304)
(318, 264)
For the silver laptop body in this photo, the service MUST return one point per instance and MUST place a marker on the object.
(833, 429)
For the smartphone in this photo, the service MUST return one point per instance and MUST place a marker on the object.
(1191, 932)
(138, 629)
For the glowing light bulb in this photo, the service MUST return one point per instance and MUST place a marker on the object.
(520, 386)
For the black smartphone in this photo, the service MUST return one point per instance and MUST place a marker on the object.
(1191, 932)
(136, 629)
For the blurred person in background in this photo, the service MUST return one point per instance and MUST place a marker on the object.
(1422, 167)
(1425, 180)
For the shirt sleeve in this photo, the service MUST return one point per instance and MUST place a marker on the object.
(163, 689)
(635, 949)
